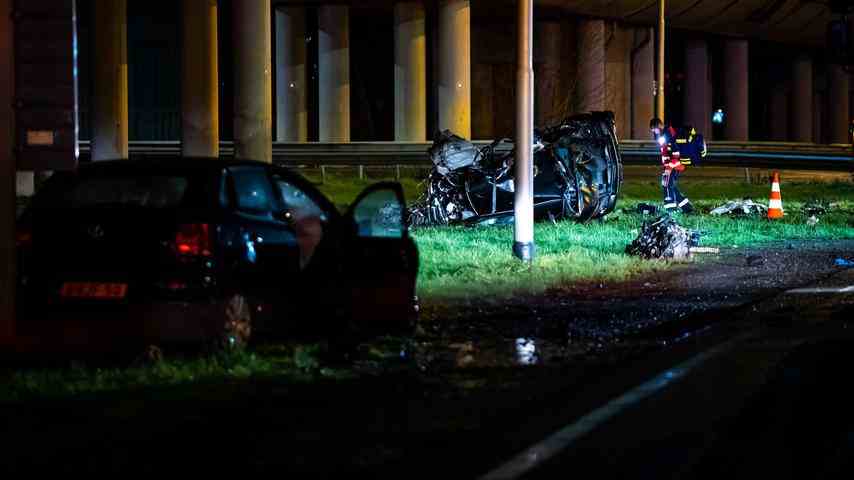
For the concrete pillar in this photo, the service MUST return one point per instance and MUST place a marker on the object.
(253, 131)
(801, 111)
(736, 79)
(778, 114)
(591, 66)
(643, 82)
(291, 76)
(7, 179)
(549, 39)
(109, 80)
(618, 72)
(484, 117)
(454, 75)
(838, 104)
(200, 80)
(698, 87)
(334, 73)
(410, 73)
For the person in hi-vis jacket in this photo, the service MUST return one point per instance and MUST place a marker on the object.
(678, 148)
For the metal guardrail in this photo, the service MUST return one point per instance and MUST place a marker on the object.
(801, 156)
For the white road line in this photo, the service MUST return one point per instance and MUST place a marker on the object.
(538, 454)
(848, 289)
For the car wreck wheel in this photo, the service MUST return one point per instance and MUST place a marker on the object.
(235, 323)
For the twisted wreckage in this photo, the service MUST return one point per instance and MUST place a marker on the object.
(578, 173)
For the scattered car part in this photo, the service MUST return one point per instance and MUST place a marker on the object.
(740, 208)
(663, 238)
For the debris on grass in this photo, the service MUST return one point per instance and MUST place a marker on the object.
(663, 239)
(815, 208)
(743, 207)
(705, 250)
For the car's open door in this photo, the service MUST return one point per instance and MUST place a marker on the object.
(381, 262)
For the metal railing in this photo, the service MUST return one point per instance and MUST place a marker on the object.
(783, 155)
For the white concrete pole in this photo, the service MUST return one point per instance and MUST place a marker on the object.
(291, 76)
(659, 90)
(410, 73)
(455, 66)
(523, 245)
(334, 73)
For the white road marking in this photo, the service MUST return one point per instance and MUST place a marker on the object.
(539, 453)
(848, 289)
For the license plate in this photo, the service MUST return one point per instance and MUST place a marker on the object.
(93, 290)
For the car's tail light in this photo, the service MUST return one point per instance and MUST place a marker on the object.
(193, 239)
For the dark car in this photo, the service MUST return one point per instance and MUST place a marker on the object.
(189, 250)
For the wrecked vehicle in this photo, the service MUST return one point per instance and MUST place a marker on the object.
(578, 173)
(176, 250)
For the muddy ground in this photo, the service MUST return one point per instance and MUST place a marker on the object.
(472, 389)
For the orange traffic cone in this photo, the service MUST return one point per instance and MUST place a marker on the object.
(775, 203)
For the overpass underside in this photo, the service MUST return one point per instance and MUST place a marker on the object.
(256, 72)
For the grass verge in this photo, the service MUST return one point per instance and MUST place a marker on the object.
(459, 263)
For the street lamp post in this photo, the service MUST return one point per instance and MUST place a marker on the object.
(523, 246)
(659, 93)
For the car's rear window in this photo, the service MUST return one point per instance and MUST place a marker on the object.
(150, 192)
(116, 190)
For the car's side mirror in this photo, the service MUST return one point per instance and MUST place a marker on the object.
(378, 212)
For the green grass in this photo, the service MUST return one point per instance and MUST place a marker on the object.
(342, 186)
(459, 262)
(296, 363)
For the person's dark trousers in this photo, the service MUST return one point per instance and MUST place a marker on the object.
(673, 198)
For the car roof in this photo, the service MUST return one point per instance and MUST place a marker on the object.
(172, 162)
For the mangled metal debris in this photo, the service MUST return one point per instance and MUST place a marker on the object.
(578, 173)
(818, 207)
(663, 238)
(743, 207)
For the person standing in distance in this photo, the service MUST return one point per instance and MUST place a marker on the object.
(672, 143)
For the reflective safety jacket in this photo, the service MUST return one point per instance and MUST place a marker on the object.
(681, 147)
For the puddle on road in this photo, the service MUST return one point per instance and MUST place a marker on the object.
(492, 353)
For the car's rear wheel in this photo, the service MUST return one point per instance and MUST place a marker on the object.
(234, 322)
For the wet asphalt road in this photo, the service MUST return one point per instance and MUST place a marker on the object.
(775, 403)
(478, 387)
